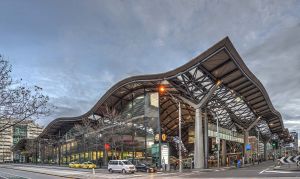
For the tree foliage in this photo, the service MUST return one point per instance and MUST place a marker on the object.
(17, 101)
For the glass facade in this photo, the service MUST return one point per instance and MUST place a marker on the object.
(19, 132)
(131, 135)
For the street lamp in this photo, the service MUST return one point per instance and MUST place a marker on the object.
(162, 89)
(218, 142)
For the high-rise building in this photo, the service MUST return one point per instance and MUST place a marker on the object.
(295, 142)
(12, 135)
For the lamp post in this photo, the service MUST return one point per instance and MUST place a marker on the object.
(218, 143)
(258, 148)
(163, 90)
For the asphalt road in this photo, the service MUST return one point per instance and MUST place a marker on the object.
(17, 174)
(264, 170)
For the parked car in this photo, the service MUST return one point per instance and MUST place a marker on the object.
(123, 166)
(143, 167)
(74, 165)
(88, 165)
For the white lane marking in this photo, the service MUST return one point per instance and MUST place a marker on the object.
(279, 172)
(263, 171)
(14, 175)
(55, 171)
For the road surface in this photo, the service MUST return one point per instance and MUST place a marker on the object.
(264, 170)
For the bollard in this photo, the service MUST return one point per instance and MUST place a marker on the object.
(93, 171)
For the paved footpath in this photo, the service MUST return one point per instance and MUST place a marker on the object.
(264, 170)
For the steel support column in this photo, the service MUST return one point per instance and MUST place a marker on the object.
(246, 137)
(205, 139)
(224, 152)
(198, 146)
(265, 151)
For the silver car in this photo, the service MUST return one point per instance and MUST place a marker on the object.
(123, 166)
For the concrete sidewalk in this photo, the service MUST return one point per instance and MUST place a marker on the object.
(63, 171)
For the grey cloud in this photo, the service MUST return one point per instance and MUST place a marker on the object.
(77, 50)
(276, 63)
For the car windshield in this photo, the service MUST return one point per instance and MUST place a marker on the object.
(126, 162)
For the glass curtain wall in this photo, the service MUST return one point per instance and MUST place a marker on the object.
(129, 135)
(132, 137)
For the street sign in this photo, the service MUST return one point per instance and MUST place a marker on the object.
(248, 147)
(164, 137)
(164, 154)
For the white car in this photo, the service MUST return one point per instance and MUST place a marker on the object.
(123, 166)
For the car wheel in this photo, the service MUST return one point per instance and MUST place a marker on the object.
(110, 170)
(132, 172)
(123, 171)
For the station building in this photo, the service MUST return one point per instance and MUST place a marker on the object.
(218, 100)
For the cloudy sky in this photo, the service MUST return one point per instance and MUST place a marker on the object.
(77, 49)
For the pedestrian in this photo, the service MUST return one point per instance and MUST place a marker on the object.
(163, 164)
(238, 163)
(192, 164)
(176, 163)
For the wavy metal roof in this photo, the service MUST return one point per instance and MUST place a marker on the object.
(239, 100)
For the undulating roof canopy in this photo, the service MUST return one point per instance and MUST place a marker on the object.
(238, 101)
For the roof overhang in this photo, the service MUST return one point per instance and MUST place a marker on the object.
(220, 62)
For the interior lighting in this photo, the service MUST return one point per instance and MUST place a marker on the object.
(238, 99)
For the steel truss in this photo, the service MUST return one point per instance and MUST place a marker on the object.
(230, 107)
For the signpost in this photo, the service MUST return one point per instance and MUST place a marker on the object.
(248, 147)
(165, 156)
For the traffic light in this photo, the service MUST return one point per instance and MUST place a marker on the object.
(275, 144)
